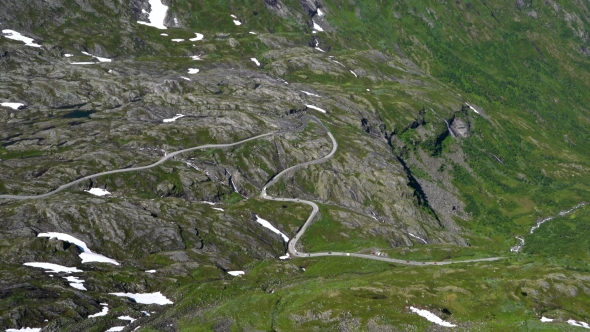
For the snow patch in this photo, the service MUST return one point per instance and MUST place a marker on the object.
(317, 26)
(193, 70)
(268, 225)
(236, 273)
(87, 255)
(50, 267)
(76, 282)
(431, 317)
(255, 61)
(25, 329)
(98, 192)
(148, 298)
(196, 57)
(150, 271)
(178, 40)
(218, 209)
(178, 116)
(417, 237)
(310, 94)
(185, 78)
(578, 323)
(316, 108)
(82, 63)
(287, 256)
(198, 36)
(253, 33)
(157, 15)
(67, 55)
(14, 106)
(473, 108)
(206, 202)
(546, 320)
(320, 12)
(104, 312)
(319, 49)
(11, 34)
(164, 34)
(129, 318)
(115, 329)
(355, 75)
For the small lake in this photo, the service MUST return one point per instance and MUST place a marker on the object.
(78, 114)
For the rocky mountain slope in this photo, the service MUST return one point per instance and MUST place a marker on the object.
(459, 126)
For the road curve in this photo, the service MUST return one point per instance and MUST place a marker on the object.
(315, 209)
(162, 160)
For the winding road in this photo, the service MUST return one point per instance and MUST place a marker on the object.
(315, 209)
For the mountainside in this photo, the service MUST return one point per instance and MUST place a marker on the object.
(421, 133)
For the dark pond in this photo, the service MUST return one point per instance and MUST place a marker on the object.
(78, 114)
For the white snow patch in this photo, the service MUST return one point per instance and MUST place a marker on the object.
(340, 63)
(145, 313)
(237, 22)
(319, 49)
(199, 36)
(287, 256)
(98, 192)
(178, 116)
(102, 59)
(115, 329)
(196, 57)
(129, 318)
(96, 57)
(50, 267)
(14, 106)
(185, 78)
(25, 329)
(431, 317)
(310, 94)
(193, 70)
(316, 108)
(236, 273)
(578, 323)
(148, 298)
(150, 271)
(164, 34)
(11, 34)
(76, 282)
(206, 202)
(253, 33)
(104, 312)
(67, 55)
(87, 255)
(473, 108)
(268, 225)
(417, 237)
(320, 12)
(83, 63)
(234, 16)
(218, 209)
(157, 15)
(178, 40)
(317, 26)
(546, 320)
(355, 75)
(255, 61)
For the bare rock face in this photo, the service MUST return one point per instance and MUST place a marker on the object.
(460, 127)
